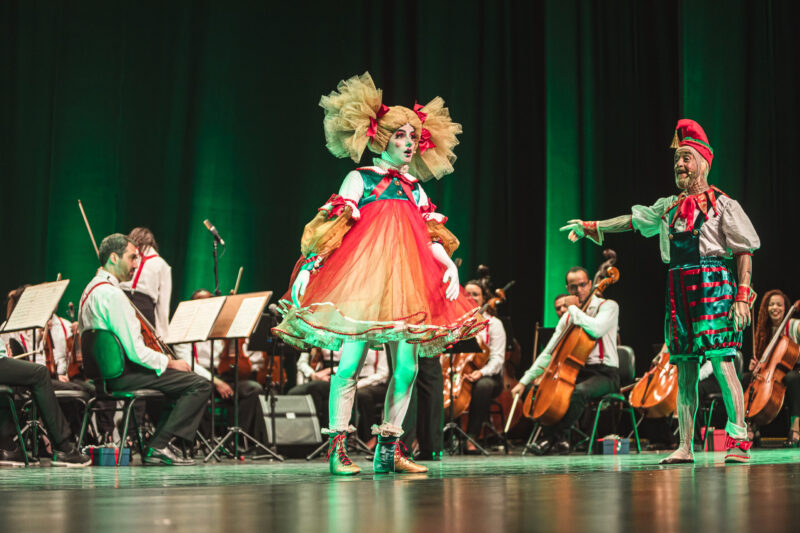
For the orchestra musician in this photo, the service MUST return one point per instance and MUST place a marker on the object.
(105, 306)
(315, 369)
(598, 377)
(424, 419)
(151, 287)
(60, 331)
(488, 380)
(771, 313)
(562, 303)
(36, 378)
(251, 414)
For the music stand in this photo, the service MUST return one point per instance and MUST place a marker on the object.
(260, 341)
(35, 307)
(466, 346)
(237, 320)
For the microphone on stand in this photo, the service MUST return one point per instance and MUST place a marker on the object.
(213, 231)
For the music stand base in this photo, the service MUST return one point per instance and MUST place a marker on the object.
(461, 435)
(236, 430)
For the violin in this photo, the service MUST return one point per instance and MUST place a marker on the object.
(656, 393)
(464, 364)
(764, 396)
(551, 400)
(233, 349)
(74, 355)
(49, 359)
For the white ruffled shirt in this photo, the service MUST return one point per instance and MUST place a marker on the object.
(722, 235)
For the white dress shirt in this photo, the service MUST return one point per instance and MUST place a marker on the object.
(374, 371)
(600, 321)
(494, 336)
(105, 306)
(153, 278)
(60, 331)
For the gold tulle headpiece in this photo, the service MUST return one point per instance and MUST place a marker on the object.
(356, 118)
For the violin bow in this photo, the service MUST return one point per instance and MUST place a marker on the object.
(89, 229)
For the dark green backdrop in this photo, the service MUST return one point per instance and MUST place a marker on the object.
(166, 113)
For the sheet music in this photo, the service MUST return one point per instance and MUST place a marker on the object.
(247, 315)
(36, 305)
(193, 320)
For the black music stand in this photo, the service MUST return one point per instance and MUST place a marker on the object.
(466, 346)
(261, 341)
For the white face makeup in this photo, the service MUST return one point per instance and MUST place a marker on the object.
(685, 167)
(402, 145)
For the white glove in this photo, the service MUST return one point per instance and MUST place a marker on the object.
(299, 286)
(450, 274)
(575, 229)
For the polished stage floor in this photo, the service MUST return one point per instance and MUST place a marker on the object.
(497, 494)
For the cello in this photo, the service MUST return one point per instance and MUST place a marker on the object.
(764, 396)
(551, 401)
(656, 393)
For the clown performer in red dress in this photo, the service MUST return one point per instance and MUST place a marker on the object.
(706, 313)
(376, 267)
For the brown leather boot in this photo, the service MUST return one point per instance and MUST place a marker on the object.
(404, 464)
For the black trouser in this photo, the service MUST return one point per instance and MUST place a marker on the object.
(105, 419)
(72, 409)
(368, 401)
(187, 393)
(484, 391)
(594, 381)
(792, 401)
(36, 378)
(251, 415)
(319, 391)
(144, 304)
(425, 417)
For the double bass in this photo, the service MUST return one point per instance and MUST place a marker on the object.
(551, 401)
(764, 396)
(656, 393)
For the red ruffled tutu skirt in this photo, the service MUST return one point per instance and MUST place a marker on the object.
(382, 284)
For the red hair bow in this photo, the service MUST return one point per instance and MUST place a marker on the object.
(418, 110)
(373, 122)
(425, 141)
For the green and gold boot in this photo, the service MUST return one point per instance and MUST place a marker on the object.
(340, 464)
(383, 462)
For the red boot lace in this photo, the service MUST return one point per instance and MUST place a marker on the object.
(742, 444)
(338, 444)
(401, 449)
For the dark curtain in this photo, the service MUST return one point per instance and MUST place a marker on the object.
(164, 114)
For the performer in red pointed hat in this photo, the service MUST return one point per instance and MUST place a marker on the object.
(376, 265)
(706, 312)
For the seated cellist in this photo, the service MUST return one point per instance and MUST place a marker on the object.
(598, 377)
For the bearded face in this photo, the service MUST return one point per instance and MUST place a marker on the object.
(686, 168)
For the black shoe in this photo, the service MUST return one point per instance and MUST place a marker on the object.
(164, 457)
(561, 447)
(428, 456)
(71, 458)
(543, 447)
(13, 457)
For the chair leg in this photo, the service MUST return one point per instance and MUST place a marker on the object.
(13, 409)
(594, 427)
(126, 420)
(635, 428)
(87, 412)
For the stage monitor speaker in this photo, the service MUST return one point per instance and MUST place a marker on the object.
(296, 420)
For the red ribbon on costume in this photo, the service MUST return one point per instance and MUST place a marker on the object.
(418, 110)
(686, 211)
(373, 122)
(405, 183)
(742, 444)
(425, 141)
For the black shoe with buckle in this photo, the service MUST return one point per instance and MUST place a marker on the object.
(164, 457)
(13, 457)
(71, 457)
(543, 447)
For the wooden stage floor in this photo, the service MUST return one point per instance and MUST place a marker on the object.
(496, 494)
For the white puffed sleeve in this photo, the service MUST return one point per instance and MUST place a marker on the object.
(740, 235)
(647, 219)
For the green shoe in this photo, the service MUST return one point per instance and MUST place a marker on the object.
(383, 462)
(340, 464)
